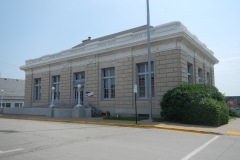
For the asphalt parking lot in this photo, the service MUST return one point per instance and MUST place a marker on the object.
(39, 140)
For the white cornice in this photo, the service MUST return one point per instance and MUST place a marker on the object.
(158, 33)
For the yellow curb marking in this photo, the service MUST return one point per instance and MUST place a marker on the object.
(186, 130)
(233, 133)
(120, 125)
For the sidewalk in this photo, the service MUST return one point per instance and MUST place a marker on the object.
(232, 128)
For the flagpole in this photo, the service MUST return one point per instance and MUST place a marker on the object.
(149, 62)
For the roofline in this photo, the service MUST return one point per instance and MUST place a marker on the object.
(132, 30)
(158, 33)
(12, 79)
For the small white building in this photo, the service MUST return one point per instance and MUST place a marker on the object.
(11, 92)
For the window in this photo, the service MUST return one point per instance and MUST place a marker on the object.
(8, 104)
(190, 73)
(108, 77)
(37, 89)
(56, 85)
(235, 101)
(16, 105)
(78, 78)
(200, 76)
(142, 78)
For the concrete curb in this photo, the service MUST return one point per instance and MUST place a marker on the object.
(120, 125)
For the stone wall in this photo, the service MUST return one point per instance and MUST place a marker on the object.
(45, 88)
(28, 90)
(92, 81)
(124, 85)
(49, 112)
(170, 69)
(65, 84)
(167, 73)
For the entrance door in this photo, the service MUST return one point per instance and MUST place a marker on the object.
(81, 94)
(79, 78)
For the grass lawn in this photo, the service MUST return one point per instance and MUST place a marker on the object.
(133, 119)
(158, 120)
(125, 118)
(232, 118)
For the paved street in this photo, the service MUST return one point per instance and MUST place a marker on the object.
(27, 140)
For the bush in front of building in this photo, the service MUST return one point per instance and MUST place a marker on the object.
(234, 113)
(195, 104)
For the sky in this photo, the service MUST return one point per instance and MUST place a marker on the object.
(32, 28)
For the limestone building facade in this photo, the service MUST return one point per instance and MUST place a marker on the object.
(109, 66)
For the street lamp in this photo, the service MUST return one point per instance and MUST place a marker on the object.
(2, 98)
(79, 100)
(52, 105)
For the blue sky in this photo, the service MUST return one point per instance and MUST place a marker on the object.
(33, 28)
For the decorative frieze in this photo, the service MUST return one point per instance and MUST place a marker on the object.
(169, 30)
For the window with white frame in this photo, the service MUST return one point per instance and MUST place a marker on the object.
(56, 85)
(189, 73)
(17, 105)
(37, 89)
(200, 76)
(78, 78)
(142, 79)
(108, 80)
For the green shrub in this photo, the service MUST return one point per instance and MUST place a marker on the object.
(195, 104)
(234, 113)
